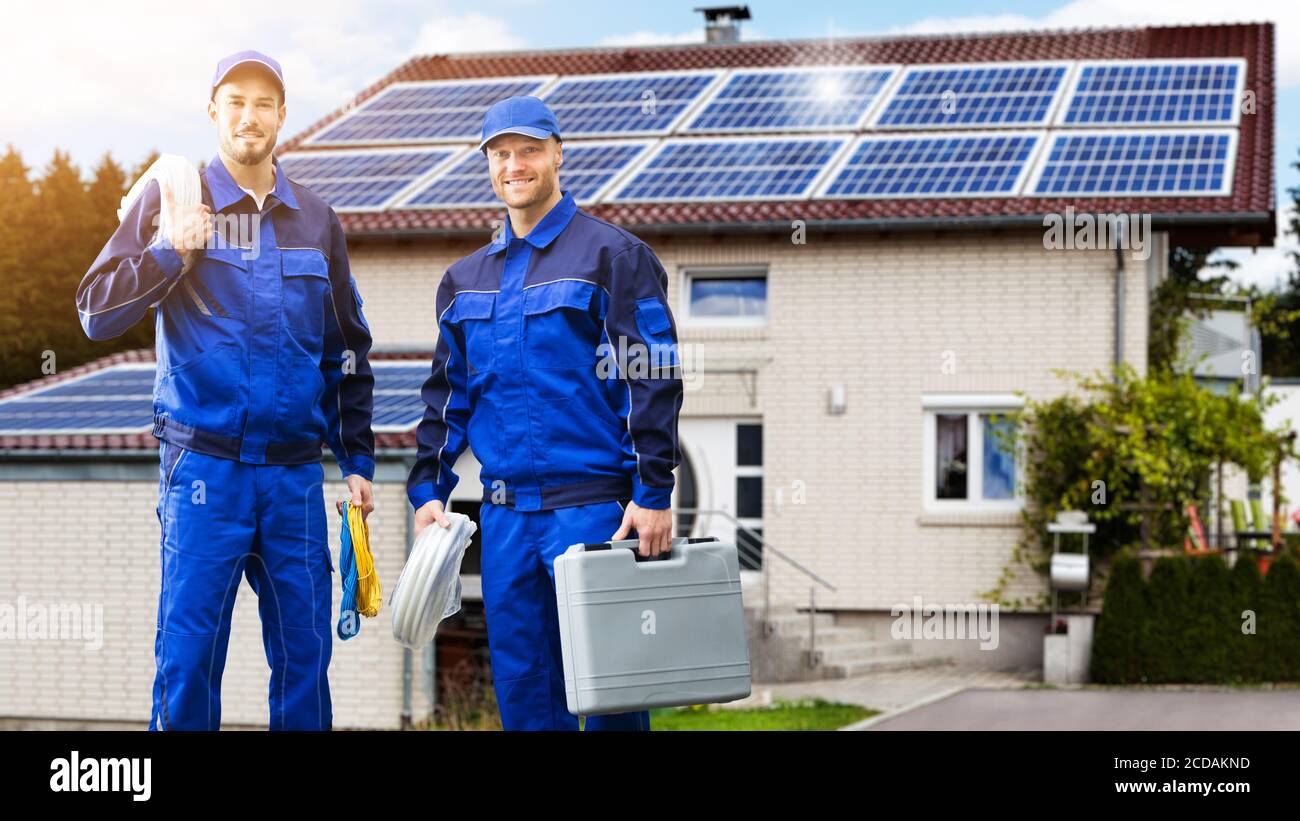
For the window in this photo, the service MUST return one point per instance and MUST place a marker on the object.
(749, 494)
(726, 297)
(970, 463)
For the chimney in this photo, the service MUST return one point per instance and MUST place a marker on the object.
(722, 23)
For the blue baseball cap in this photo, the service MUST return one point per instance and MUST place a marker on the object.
(239, 58)
(519, 115)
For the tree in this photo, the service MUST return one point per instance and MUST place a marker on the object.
(51, 230)
(17, 204)
(1281, 337)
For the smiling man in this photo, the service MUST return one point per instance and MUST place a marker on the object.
(574, 447)
(261, 349)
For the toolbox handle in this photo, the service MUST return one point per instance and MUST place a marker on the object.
(634, 544)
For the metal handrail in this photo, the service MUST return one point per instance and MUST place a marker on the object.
(768, 547)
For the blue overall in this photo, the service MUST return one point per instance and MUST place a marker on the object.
(262, 359)
(527, 372)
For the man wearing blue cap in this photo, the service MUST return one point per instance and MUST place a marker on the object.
(577, 443)
(262, 357)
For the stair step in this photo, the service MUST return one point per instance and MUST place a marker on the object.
(837, 635)
(787, 623)
(875, 665)
(858, 651)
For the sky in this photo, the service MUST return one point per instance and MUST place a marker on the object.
(130, 77)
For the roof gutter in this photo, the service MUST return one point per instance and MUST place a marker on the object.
(139, 454)
(983, 223)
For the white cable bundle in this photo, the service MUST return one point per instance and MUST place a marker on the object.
(171, 171)
(428, 590)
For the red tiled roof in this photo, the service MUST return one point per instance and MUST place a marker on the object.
(1243, 218)
(47, 444)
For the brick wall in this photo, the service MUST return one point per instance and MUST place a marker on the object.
(98, 543)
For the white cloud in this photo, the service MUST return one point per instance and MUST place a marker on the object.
(658, 38)
(1266, 267)
(128, 78)
(1121, 13)
(654, 38)
(469, 32)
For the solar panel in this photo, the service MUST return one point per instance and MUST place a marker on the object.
(363, 180)
(986, 164)
(749, 168)
(398, 405)
(966, 96)
(119, 400)
(123, 381)
(589, 167)
(1123, 163)
(792, 99)
(438, 111)
(627, 105)
(1156, 92)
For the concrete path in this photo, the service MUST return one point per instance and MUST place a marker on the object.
(951, 698)
(1101, 708)
(890, 689)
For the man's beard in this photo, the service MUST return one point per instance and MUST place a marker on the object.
(544, 192)
(245, 154)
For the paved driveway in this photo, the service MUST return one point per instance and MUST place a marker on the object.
(1183, 708)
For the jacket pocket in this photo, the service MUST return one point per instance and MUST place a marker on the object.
(471, 312)
(219, 285)
(203, 390)
(656, 328)
(561, 326)
(305, 283)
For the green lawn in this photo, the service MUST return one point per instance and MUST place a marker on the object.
(480, 713)
(805, 714)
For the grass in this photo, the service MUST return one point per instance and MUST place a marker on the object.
(805, 714)
(467, 701)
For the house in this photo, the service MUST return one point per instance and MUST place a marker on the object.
(877, 248)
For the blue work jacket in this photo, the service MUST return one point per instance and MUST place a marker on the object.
(557, 362)
(261, 345)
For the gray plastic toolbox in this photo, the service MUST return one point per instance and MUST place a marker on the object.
(653, 632)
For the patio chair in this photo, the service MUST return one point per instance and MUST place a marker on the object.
(1194, 544)
(1261, 523)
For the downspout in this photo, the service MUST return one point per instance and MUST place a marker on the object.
(1119, 310)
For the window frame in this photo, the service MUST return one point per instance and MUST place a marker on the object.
(690, 319)
(974, 406)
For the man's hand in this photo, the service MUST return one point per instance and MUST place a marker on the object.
(363, 496)
(654, 527)
(189, 228)
(429, 513)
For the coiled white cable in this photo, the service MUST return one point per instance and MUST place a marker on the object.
(428, 590)
(174, 172)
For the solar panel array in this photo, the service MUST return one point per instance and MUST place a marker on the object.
(424, 112)
(626, 105)
(1173, 163)
(940, 165)
(119, 400)
(361, 180)
(865, 131)
(1156, 93)
(754, 169)
(588, 168)
(792, 100)
(974, 96)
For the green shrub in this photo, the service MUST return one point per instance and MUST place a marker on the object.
(1116, 656)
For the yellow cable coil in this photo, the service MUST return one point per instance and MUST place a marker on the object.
(369, 593)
